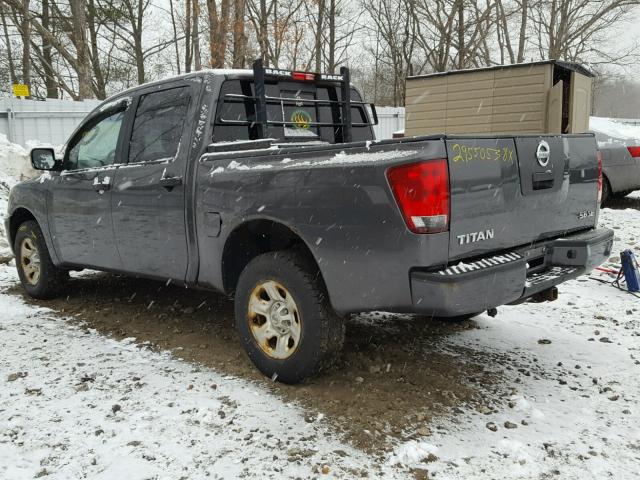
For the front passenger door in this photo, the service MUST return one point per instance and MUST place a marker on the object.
(80, 197)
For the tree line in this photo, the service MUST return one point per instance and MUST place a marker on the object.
(92, 48)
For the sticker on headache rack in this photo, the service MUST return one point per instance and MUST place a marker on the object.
(301, 119)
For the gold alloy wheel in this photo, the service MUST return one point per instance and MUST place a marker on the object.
(30, 261)
(274, 320)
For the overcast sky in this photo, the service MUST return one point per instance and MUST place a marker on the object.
(628, 35)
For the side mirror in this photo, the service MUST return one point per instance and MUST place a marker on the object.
(44, 159)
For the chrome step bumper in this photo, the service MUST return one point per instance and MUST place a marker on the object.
(508, 278)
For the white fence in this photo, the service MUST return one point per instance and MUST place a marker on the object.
(390, 119)
(50, 121)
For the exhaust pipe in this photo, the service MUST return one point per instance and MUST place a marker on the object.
(548, 295)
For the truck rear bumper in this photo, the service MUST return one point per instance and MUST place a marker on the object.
(512, 277)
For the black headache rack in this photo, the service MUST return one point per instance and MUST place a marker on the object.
(260, 101)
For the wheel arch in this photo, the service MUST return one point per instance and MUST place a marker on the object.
(253, 238)
(17, 218)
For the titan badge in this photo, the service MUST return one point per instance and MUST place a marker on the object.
(473, 237)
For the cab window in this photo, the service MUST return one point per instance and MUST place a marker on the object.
(236, 113)
(158, 125)
(96, 144)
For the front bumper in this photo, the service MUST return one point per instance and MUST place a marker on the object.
(511, 277)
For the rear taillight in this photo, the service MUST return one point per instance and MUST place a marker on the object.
(422, 192)
(634, 151)
(599, 157)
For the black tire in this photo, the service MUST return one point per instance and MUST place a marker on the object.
(623, 194)
(321, 331)
(606, 191)
(50, 280)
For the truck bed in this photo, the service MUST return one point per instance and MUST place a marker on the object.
(337, 198)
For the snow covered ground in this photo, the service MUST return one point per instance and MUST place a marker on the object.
(574, 367)
(77, 404)
(74, 404)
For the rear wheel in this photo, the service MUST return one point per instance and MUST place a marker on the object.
(284, 318)
(623, 194)
(606, 190)
(38, 275)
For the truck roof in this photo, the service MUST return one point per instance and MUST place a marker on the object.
(228, 72)
(235, 72)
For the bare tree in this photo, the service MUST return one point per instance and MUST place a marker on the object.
(576, 30)
(188, 54)
(395, 22)
(25, 30)
(5, 30)
(453, 34)
(79, 22)
(125, 20)
(78, 61)
(47, 56)
(239, 37)
(319, 32)
(195, 35)
(98, 76)
(522, 37)
(218, 31)
(85, 48)
(342, 26)
(273, 24)
(175, 34)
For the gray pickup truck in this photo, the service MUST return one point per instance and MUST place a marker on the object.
(268, 185)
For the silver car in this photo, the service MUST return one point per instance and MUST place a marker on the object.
(620, 158)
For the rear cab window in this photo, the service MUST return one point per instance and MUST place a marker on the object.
(158, 125)
(298, 113)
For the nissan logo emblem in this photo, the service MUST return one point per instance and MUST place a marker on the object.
(543, 153)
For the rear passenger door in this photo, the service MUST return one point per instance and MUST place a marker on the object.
(148, 196)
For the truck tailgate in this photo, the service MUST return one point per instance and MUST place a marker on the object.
(510, 191)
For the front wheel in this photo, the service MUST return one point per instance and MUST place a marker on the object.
(38, 275)
(284, 319)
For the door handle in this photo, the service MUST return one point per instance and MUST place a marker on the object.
(170, 182)
(542, 180)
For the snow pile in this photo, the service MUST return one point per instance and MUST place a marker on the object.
(343, 158)
(413, 452)
(615, 132)
(5, 251)
(339, 159)
(14, 161)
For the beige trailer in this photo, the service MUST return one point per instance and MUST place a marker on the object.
(540, 97)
